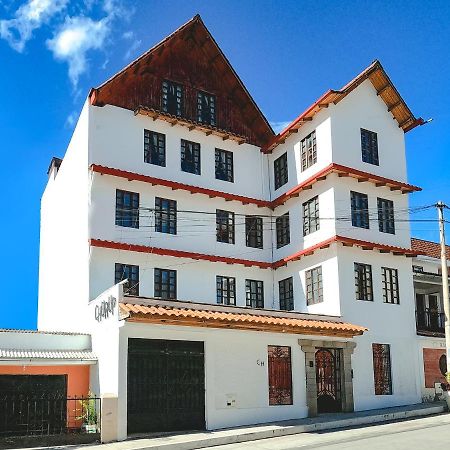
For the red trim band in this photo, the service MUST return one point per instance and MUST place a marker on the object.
(332, 168)
(365, 245)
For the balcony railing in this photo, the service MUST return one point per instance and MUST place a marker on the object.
(430, 322)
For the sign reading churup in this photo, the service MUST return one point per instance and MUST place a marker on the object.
(105, 309)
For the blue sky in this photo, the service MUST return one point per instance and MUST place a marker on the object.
(286, 52)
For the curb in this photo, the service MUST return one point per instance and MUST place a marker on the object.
(287, 430)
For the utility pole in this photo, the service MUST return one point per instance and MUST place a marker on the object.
(441, 206)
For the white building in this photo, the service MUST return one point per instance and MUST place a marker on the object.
(267, 278)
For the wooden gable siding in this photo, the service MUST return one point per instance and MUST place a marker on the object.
(191, 58)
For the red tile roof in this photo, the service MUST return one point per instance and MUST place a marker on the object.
(428, 248)
(215, 316)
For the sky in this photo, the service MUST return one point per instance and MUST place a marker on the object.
(286, 52)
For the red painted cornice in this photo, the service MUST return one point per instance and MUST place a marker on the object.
(346, 241)
(342, 171)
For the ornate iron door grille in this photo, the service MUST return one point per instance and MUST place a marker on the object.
(328, 379)
(280, 375)
(382, 369)
(166, 385)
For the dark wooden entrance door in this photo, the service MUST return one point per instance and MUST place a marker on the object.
(166, 385)
(33, 404)
(328, 379)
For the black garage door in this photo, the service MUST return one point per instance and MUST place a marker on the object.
(166, 385)
(32, 404)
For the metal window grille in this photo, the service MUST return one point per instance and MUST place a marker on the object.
(360, 209)
(165, 283)
(382, 369)
(282, 230)
(127, 209)
(128, 272)
(314, 289)
(311, 221)
(308, 151)
(254, 232)
(206, 108)
(225, 226)
(280, 169)
(363, 282)
(154, 148)
(190, 157)
(172, 98)
(224, 165)
(369, 147)
(165, 215)
(389, 281)
(286, 294)
(254, 293)
(226, 290)
(280, 375)
(386, 223)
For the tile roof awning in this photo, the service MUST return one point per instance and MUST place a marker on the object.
(428, 248)
(48, 356)
(237, 318)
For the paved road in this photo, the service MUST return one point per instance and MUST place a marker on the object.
(430, 433)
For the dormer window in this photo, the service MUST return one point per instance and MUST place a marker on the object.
(172, 98)
(206, 108)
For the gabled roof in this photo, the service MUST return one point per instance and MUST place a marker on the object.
(219, 316)
(428, 248)
(382, 84)
(189, 56)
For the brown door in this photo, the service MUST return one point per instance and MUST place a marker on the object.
(328, 379)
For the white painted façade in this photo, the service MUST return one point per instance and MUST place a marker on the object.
(267, 277)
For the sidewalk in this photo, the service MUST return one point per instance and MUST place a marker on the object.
(324, 422)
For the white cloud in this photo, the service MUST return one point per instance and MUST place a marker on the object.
(74, 39)
(71, 119)
(279, 126)
(129, 35)
(29, 17)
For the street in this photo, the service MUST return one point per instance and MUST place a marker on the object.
(430, 433)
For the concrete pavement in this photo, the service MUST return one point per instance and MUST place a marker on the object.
(430, 433)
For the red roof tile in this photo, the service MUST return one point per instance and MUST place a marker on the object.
(428, 248)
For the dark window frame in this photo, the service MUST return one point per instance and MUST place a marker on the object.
(286, 294)
(165, 215)
(206, 108)
(154, 148)
(224, 166)
(190, 157)
(254, 293)
(127, 209)
(389, 281)
(308, 151)
(225, 226)
(314, 285)
(363, 282)
(225, 290)
(311, 222)
(282, 230)
(359, 203)
(386, 221)
(129, 272)
(254, 232)
(165, 283)
(172, 98)
(382, 369)
(281, 171)
(369, 147)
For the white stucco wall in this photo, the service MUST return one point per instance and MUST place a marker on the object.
(64, 250)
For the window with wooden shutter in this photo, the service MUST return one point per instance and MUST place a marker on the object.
(280, 375)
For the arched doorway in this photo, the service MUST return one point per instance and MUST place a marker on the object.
(328, 379)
